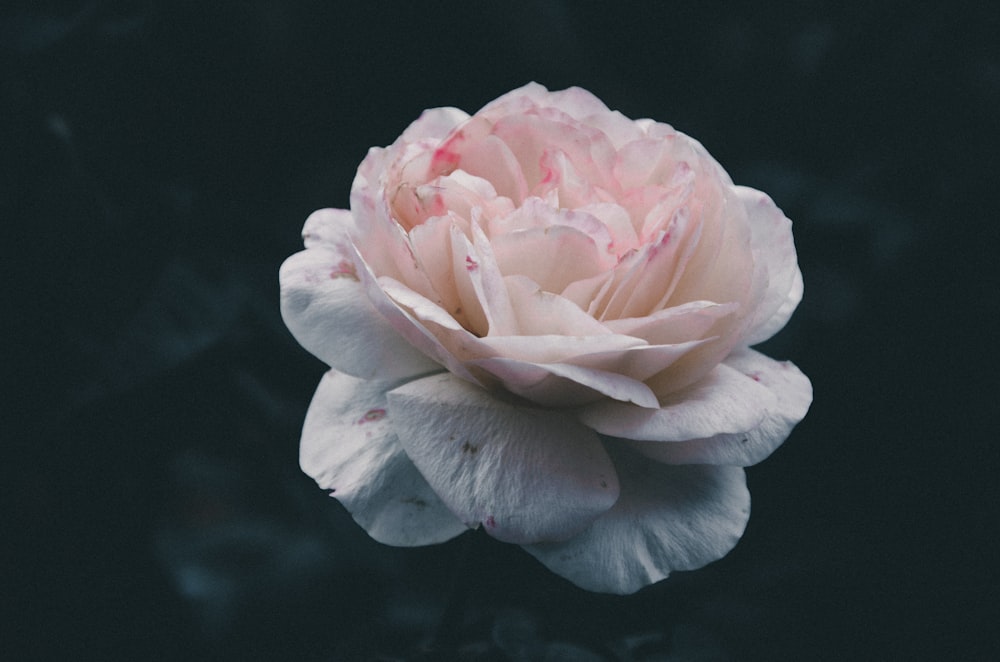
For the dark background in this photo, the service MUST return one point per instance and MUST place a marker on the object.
(159, 159)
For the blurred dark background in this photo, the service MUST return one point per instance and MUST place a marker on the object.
(159, 159)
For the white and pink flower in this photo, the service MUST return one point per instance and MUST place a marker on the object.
(539, 321)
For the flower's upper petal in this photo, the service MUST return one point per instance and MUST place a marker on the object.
(349, 448)
(326, 309)
(725, 401)
(528, 475)
(667, 518)
(775, 260)
(435, 123)
(793, 395)
(574, 101)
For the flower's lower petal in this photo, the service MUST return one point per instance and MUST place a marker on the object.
(528, 475)
(725, 401)
(776, 260)
(667, 518)
(327, 227)
(349, 448)
(565, 385)
(326, 308)
(793, 395)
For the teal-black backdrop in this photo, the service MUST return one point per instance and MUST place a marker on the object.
(158, 161)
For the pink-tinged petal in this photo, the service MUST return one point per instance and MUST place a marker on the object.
(618, 128)
(564, 185)
(775, 259)
(793, 395)
(327, 310)
(403, 321)
(639, 363)
(577, 103)
(646, 280)
(558, 348)
(574, 101)
(563, 384)
(530, 136)
(725, 401)
(538, 214)
(527, 475)
(616, 222)
(490, 158)
(667, 518)
(689, 321)
(328, 227)
(431, 245)
(552, 257)
(435, 123)
(543, 313)
(349, 448)
(491, 286)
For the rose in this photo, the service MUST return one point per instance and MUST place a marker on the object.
(538, 320)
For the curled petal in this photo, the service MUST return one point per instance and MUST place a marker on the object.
(435, 123)
(527, 475)
(325, 307)
(775, 260)
(725, 401)
(667, 518)
(349, 448)
(792, 396)
(328, 227)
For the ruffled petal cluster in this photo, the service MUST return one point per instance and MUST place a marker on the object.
(538, 320)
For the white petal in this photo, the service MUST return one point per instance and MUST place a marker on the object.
(327, 227)
(349, 447)
(775, 259)
(327, 310)
(793, 395)
(725, 401)
(667, 518)
(528, 475)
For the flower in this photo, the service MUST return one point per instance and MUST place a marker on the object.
(538, 320)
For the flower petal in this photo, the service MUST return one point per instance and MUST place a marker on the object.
(667, 518)
(349, 447)
(793, 395)
(774, 254)
(563, 384)
(528, 475)
(326, 309)
(725, 401)
(435, 123)
(327, 227)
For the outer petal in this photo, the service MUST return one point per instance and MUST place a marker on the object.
(667, 518)
(775, 260)
(349, 448)
(726, 401)
(327, 310)
(793, 395)
(528, 475)
(435, 123)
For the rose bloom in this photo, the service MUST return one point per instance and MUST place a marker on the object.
(538, 321)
